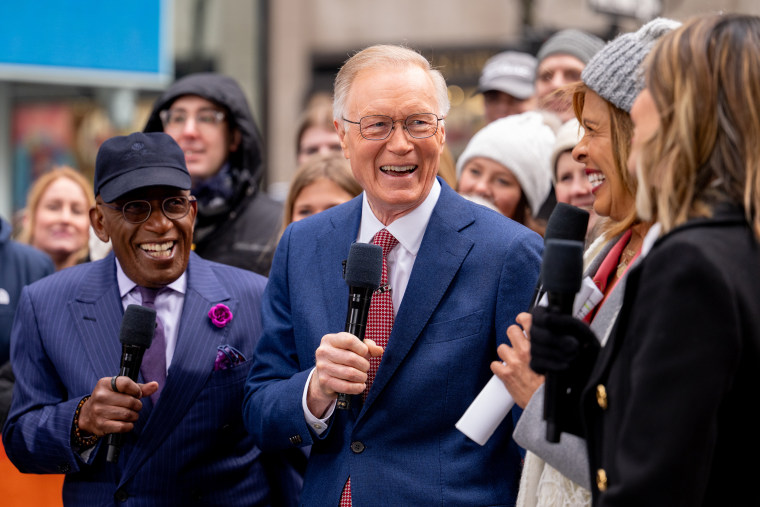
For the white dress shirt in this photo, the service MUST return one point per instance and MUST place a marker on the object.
(408, 230)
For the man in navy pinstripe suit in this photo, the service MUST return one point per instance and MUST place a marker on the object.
(188, 446)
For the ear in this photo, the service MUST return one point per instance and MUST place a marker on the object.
(235, 139)
(97, 220)
(442, 130)
(339, 127)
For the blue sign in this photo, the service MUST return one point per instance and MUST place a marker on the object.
(87, 42)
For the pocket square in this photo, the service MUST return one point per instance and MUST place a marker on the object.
(227, 356)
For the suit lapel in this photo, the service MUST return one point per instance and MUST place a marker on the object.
(441, 254)
(332, 249)
(192, 363)
(97, 312)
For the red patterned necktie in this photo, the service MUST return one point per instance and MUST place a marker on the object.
(379, 325)
(153, 365)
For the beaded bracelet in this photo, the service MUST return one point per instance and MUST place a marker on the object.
(79, 439)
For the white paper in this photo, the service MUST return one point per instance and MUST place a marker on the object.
(486, 412)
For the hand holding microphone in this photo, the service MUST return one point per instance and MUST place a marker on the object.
(553, 351)
(363, 272)
(494, 402)
(136, 334)
(114, 404)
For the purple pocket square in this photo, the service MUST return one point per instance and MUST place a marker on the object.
(227, 356)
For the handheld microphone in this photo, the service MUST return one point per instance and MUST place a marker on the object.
(135, 335)
(561, 274)
(364, 268)
(565, 222)
(494, 402)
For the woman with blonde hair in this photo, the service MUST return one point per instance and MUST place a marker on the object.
(665, 402)
(322, 182)
(57, 216)
(557, 474)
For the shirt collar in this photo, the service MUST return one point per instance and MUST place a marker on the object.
(126, 285)
(408, 229)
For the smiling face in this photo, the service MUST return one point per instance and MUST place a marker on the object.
(595, 151)
(206, 145)
(492, 181)
(396, 173)
(156, 252)
(318, 196)
(61, 225)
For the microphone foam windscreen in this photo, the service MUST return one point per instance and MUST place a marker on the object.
(138, 326)
(562, 266)
(566, 222)
(364, 266)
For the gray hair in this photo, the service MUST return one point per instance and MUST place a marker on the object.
(385, 56)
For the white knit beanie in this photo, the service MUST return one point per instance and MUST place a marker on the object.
(523, 144)
(613, 73)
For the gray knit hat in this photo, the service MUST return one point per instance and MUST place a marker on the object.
(614, 72)
(577, 43)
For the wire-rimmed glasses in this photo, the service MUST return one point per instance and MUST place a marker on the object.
(137, 212)
(377, 127)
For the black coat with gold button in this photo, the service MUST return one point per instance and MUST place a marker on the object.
(667, 409)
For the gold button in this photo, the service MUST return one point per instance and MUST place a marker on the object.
(601, 396)
(601, 480)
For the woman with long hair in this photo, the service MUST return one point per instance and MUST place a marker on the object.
(665, 404)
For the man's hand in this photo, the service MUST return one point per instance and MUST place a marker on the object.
(108, 411)
(342, 362)
(514, 371)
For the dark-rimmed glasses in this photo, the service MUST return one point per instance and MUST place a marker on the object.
(378, 127)
(175, 119)
(137, 212)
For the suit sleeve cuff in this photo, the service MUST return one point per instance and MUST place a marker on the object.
(317, 425)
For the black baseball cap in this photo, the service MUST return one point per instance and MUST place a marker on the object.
(126, 163)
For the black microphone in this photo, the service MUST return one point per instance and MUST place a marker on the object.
(363, 271)
(561, 274)
(566, 222)
(136, 334)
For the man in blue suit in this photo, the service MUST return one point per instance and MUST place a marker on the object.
(184, 440)
(458, 276)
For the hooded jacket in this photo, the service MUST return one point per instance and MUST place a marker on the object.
(20, 265)
(236, 222)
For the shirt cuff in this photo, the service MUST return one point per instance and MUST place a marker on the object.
(316, 424)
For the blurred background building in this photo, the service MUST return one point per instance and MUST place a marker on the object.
(57, 103)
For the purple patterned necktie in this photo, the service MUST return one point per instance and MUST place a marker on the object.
(153, 365)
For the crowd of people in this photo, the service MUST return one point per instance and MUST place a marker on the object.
(653, 134)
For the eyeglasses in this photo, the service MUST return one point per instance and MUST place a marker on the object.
(137, 212)
(378, 127)
(175, 119)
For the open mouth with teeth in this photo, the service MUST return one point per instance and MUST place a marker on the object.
(158, 250)
(398, 170)
(596, 178)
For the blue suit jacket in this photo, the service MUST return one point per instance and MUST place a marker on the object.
(474, 272)
(191, 447)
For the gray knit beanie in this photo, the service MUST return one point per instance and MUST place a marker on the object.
(577, 43)
(614, 72)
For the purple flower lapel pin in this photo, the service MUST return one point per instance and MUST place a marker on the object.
(220, 315)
